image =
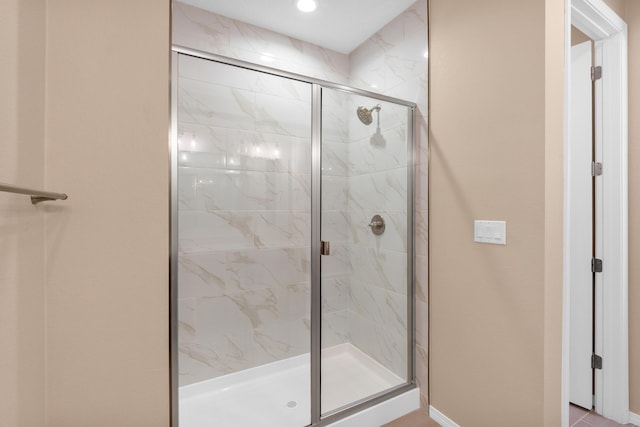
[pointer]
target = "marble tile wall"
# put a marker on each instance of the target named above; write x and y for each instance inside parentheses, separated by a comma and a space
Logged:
(244, 217)
(361, 284)
(199, 29)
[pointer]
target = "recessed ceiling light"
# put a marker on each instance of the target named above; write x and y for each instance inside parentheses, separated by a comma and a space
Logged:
(306, 5)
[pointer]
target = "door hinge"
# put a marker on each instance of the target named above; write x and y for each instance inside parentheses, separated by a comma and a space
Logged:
(596, 73)
(596, 265)
(596, 168)
(596, 361)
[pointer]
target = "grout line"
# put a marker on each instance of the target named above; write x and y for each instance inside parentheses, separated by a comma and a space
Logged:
(580, 419)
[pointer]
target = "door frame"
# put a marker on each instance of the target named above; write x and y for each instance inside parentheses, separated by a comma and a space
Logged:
(609, 32)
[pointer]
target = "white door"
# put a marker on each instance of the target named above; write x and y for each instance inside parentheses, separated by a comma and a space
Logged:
(580, 227)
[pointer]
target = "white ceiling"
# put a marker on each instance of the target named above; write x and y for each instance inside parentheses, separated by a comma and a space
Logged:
(339, 25)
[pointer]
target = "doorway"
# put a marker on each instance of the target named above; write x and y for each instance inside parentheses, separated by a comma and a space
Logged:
(610, 313)
(584, 246)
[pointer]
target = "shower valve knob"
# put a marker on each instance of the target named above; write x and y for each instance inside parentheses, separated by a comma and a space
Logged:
(377, 225)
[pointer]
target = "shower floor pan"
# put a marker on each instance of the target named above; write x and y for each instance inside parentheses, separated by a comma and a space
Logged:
(277, 394)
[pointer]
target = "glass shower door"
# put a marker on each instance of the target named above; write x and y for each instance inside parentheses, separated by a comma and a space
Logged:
(246, 218)
(243, 202)
(365, 275)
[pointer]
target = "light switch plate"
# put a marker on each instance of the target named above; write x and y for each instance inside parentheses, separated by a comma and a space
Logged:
(493, 232)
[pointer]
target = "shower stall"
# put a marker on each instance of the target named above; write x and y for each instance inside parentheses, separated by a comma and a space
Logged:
(292, 247)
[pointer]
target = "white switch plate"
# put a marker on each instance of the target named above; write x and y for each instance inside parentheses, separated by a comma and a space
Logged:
(494, 232)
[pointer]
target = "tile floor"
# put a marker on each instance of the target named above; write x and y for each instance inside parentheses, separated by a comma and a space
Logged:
(578, 417)
(419, 418)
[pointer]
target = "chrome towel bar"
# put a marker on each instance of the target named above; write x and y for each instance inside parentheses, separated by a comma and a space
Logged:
(36, 195)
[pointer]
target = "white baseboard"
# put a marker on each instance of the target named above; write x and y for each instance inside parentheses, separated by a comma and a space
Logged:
(445, 421)
(441, 418)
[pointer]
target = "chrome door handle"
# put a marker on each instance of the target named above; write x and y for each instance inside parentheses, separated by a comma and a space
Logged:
(325, 248)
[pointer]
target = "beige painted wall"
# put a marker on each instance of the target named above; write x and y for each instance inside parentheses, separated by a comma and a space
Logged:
(578, 36)
(22, 379)
(618, 6)
(554, 53)
(496, 146)
(107, 245)
(632, 16)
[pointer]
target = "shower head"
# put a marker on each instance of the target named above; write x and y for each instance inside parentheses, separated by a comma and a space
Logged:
(364, 114)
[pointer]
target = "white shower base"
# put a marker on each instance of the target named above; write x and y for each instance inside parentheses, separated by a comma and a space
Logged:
(277, 394)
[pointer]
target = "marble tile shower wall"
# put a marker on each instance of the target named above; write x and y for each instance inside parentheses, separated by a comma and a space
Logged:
(394, 62)
(206, 31)
(244, 213)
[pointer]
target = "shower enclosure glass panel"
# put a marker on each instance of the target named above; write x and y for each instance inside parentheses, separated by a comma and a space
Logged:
(244, 204)
(265, 167)
(365, 277)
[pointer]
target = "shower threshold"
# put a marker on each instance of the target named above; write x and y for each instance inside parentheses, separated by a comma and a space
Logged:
(277, 394)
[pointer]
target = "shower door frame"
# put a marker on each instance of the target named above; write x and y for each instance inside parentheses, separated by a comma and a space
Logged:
(317, 85)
